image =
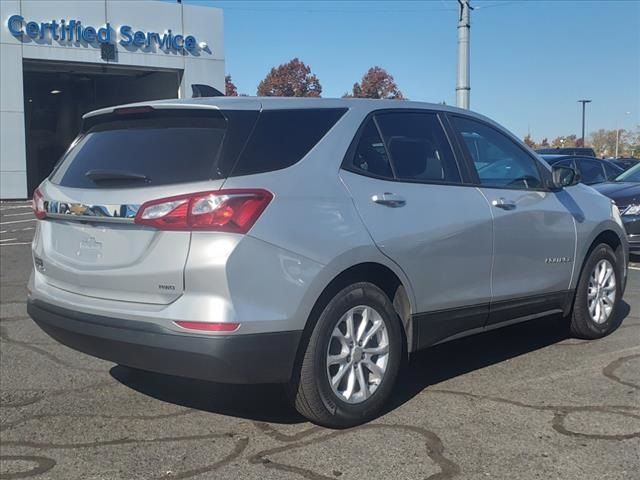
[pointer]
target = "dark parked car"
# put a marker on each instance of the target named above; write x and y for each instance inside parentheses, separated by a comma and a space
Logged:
(591, 169)
(625, 192)
(625, 162)
(579, 151)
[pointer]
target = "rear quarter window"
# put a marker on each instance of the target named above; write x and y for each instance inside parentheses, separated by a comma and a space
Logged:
(281, 138)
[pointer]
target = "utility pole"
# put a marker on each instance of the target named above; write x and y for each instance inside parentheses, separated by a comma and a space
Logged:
(463, 86)
(584, 103)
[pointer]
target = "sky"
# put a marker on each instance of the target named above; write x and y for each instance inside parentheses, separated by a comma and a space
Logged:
(531, 60)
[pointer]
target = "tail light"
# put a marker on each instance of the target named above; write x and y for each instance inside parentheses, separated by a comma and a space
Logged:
(37, 204)
(232, 211)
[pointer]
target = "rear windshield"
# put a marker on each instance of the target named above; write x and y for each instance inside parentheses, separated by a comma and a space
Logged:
(169, 147)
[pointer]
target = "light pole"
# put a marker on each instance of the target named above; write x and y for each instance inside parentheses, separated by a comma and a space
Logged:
(584, 104)
(618, 136)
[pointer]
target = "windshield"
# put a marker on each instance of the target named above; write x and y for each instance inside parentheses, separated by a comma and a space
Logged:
(631, 175)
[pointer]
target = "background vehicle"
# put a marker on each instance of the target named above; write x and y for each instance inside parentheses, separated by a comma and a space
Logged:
(311, 242)
(625, 162)
(625, 192)
(579, 151)
(592, 170)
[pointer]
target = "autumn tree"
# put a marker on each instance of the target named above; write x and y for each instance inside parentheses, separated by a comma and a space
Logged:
(293, 79)
(376, 83)
(544, 143)
(230, 89)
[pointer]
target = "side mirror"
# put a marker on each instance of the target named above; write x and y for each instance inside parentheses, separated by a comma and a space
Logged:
(565, 177)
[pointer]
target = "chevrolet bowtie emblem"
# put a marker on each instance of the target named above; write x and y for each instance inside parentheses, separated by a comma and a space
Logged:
(77, 208)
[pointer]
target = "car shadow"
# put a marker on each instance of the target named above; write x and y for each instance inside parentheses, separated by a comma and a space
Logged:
(468, 354)
(268, 403)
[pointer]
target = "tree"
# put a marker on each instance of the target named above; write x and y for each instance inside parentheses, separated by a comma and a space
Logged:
(604, 142)
(293, 79)
(230, 89)
(529, 141)
(544, 143)
(376, 83)
(564, 141)
(630, 142)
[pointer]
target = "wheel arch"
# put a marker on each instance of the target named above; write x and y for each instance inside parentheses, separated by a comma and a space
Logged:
(617, 244)
(391, 281)
(609, 236)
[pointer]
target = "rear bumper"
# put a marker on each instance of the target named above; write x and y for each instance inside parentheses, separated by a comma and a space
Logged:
(252, 358)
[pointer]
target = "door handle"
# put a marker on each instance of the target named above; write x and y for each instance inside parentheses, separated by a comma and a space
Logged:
(504, 204)
(389, 200)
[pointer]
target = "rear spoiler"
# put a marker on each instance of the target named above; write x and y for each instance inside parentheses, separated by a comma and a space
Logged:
(149, 107)
(200, 106)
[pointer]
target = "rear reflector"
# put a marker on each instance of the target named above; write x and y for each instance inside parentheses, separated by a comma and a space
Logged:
(37, 204)
(208, 326)
(232, 211)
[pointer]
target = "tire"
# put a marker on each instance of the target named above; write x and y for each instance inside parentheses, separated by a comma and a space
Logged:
(582, 321)
(311, 388)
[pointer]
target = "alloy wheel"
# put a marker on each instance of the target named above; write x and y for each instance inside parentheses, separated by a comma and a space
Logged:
(358, 354)
(601, 291)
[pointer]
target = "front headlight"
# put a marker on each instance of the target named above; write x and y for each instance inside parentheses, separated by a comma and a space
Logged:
(631, 210)
(615, 213)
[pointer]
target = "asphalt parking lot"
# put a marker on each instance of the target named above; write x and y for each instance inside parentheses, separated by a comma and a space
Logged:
(523, 402)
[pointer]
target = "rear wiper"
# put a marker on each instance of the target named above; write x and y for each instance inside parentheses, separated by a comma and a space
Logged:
(98, 175)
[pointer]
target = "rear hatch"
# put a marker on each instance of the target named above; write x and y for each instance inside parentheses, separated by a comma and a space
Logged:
(89, 243)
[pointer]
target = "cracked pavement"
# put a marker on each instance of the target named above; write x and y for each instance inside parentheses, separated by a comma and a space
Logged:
(522, 402)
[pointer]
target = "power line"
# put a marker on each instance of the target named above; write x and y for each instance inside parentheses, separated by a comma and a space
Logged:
(359, 9)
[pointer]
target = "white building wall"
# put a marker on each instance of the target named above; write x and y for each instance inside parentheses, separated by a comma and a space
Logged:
(204, 66)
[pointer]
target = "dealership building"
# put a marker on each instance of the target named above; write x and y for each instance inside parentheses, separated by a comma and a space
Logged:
(61, 59)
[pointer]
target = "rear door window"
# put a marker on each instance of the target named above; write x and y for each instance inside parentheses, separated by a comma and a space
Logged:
(418, 147)
(283, 137)
(591, 171)
(370, 157)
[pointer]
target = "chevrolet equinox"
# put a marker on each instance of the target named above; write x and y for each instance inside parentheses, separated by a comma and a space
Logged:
(311, 242)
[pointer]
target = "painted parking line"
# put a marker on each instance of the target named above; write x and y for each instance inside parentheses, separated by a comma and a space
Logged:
(14, 207)
(17, 230)
(634, 268)
(8, 239)
(17, 214)
(11, 244)
(18, 221)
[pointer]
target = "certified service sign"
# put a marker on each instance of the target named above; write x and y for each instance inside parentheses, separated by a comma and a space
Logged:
(73, 32)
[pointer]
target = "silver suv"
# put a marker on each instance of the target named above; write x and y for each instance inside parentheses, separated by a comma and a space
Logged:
(311, 242)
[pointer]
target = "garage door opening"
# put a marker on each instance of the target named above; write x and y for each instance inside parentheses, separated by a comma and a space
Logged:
(56, 95)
